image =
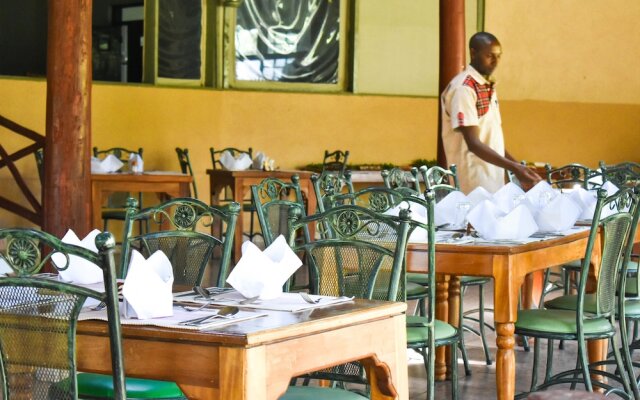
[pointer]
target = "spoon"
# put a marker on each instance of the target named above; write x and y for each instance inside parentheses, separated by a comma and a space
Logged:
(224, 312)
(309, 299)
(202, 291)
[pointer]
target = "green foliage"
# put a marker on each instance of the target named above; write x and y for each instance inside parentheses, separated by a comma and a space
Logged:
(418, 162)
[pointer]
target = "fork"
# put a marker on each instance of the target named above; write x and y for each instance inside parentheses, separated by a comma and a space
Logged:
(309, 299)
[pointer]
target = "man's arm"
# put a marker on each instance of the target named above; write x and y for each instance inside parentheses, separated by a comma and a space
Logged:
(526, 176)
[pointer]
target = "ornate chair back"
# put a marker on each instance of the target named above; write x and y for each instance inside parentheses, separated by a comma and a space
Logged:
(215, 155)
(439, 180)
(397, 178)
(335, 161)
(178, 233)
(38, 316)
(39, 156)
(364, 255)
(185, 167)
(623, 174)
(617, 230)
(330, 183)
(569, 176)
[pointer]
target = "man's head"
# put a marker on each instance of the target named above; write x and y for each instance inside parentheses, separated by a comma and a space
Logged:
(485, 52)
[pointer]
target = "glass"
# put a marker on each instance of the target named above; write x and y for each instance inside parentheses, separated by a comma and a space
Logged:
(544, 199)
(517, 200)
(462, 210)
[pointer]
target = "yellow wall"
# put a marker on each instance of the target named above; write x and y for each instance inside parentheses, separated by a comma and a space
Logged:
(567, 87)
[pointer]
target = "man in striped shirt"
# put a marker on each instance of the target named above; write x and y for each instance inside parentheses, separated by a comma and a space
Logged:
(471, 123)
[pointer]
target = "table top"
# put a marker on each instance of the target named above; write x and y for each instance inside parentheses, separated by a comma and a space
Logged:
(151, 176)
(258, 173)
(275, 326)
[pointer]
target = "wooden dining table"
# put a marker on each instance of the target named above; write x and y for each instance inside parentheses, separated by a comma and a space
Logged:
(240, 183)
(256, 359)
(166, 184)
(510, 266)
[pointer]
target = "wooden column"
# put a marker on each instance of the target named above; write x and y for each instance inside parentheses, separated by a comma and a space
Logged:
(452, 55)
(67, 183)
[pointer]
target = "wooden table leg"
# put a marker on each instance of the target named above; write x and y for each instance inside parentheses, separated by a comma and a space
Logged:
(505, 360)
(442, 313)
(455, 319)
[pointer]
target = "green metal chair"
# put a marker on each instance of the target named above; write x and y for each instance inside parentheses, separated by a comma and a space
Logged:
(362, 257)
(330, 183)
(116, 202)
(585, 316)
(178, 224)
(39, 156)
(442, 182)
(185, 167)
(397, 178)
(335, 161)
(622, 174)
(247, 205)
(38, 318)
(274, 200)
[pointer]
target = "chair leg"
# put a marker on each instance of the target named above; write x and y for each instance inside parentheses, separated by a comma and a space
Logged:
(534, 371)
(623, 376)
(463, 349)
(626, 358)
(483, 337)
(582, 359)
(454, 372)
(548, 370)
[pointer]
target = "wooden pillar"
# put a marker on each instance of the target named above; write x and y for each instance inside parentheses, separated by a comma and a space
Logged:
(452, 55)
(67, 171)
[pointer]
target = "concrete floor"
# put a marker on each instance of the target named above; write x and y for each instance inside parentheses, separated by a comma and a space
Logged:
(482, 382)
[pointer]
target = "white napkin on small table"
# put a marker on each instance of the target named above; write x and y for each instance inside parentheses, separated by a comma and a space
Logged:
(240, 163)
(478, 195)
(494, 224)
(136, 164)
(147, 287)
(263, 273)
(450, 210)
(508, 197)
(109, 164)
(79, 270)
(559, 215)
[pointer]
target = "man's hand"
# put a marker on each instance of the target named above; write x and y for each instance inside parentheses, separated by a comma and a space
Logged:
(527, 177)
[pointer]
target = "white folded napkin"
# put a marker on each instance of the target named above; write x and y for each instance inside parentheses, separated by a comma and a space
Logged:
(508, 197)
(452, 210)
(147, 287)
(263, 273)
(242, 162)
(136, 164)
(258, 160)
(587, 200)
(494, 224)
(477, 195)
(559, 215)
(610, 188)
(4, 267)
(539, 196)
(418, 214)
(110, 163)
(79, 270)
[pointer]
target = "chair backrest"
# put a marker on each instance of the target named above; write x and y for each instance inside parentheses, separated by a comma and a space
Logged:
(274, 199)
(119, 152)
(215, 155)
(616, 245)
(177, 227)
(364, 256)
(623, 174)
(185, 167)
(38, 316)
(568, 176)
(439, 180)
(397, 178)
(330, 183)
(335, 161)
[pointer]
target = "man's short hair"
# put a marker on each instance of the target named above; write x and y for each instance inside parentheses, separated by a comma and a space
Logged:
(481, 38)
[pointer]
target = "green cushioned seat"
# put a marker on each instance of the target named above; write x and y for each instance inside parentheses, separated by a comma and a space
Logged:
(417, 334)
(101, 386)
(319, 393)
(473, 280)
(417, 277)
(559, 322)
(415, 290)
(570, 301)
